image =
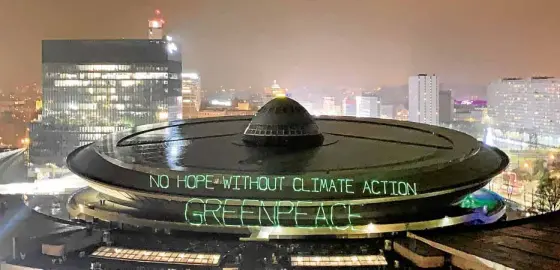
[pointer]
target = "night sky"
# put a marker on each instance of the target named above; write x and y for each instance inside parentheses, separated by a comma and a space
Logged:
(314, 43)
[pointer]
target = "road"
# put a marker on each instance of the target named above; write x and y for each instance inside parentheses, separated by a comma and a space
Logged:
(12, 167)
(525, 197)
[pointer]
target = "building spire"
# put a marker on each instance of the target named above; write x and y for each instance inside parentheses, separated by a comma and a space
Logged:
(155, 26)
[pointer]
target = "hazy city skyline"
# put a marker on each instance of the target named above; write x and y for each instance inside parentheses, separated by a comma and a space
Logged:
(327, 43)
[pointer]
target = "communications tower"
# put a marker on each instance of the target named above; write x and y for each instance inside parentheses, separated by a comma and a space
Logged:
(155, 26)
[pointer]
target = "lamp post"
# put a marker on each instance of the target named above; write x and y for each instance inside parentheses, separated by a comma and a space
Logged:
(25, 142)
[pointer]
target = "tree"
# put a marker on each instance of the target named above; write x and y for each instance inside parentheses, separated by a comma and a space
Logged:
(539, 167)
(554, 167)
(548, 194)
(522, 174)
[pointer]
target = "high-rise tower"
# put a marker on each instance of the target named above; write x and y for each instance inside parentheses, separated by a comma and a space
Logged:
(368, 104)
(95, 87)
(423, 99)
(349, 105)
(191, 95)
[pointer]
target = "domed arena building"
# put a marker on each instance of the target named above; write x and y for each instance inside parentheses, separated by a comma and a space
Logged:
(286, 174)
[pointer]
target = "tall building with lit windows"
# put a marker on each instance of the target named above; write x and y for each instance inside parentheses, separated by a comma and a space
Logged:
(329, 106)
(192, 95)
(95, 87)
(519, 108)
(423, 99)
(349, 105)
(368, 105)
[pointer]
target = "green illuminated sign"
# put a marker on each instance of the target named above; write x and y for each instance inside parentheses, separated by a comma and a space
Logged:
(282, 183)
(246, 212)
(234, 212)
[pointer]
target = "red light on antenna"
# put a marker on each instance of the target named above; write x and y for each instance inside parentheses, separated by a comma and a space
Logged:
(158, 12)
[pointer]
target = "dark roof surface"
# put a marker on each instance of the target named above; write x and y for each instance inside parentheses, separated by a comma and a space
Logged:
(282, 111)
(349, 144)
(531, 243)
(283, 122)
(105, 51)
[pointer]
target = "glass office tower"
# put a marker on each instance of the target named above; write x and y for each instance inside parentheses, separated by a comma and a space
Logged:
(95, 87)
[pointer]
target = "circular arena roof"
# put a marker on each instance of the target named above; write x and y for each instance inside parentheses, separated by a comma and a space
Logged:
(422, 158)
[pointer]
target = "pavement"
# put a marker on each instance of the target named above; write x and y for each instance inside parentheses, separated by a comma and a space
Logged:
(14, 180)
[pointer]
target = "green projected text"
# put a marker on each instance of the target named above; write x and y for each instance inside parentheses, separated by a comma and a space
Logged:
(234, 212)
(283, 183)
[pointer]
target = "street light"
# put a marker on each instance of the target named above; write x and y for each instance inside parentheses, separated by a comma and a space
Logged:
(25, 141)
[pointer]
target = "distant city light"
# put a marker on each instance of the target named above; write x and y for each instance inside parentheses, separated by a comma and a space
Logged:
(193, 76)
(163, 116)
(216, 102)
(489, 139)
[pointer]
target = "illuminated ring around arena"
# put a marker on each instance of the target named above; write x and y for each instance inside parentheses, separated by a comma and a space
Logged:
(283, 168)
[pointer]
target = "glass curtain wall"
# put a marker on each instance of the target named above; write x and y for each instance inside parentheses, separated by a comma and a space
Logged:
(99, 99)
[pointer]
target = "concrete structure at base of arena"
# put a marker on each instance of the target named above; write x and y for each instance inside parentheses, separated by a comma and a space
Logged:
(283, 173)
